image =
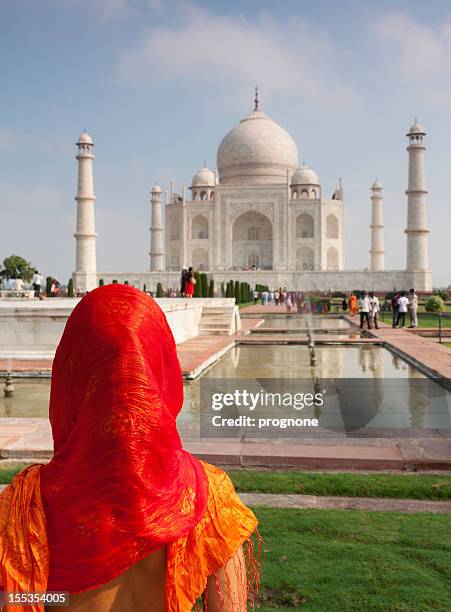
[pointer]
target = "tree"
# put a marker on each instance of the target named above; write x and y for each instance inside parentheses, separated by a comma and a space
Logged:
(70, 288)
(160, 291)
(204, 284)
(197, 286)
(223, 291)
(237, 292)
(48, 286)
(434, 304)
(15, 266)
(211, 289)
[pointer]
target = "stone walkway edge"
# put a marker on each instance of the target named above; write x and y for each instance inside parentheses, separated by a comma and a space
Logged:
(369, 504)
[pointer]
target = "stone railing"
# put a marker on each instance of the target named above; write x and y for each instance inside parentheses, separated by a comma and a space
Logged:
(11, 294)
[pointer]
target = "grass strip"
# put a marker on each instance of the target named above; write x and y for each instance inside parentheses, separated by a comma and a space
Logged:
(399, 486)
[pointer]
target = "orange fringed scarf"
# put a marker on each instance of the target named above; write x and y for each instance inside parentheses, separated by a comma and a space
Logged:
(120, 485)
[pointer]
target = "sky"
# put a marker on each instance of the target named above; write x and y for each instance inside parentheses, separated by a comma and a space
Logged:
(158, 83)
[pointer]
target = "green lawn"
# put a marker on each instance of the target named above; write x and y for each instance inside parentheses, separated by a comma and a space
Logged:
(342, 561)
(425, 319)
(8, 470)
(402, 486)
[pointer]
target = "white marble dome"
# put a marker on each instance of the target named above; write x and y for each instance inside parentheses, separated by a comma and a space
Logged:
(416, 128)
(376, 185)
(305, 176)
(203, 178)
(256, 151)
(85, 138)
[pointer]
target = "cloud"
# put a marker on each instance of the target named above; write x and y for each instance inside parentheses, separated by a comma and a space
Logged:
(418, 55)
(230, 53)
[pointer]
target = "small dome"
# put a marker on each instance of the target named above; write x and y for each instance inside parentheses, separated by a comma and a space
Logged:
(85, 138)
(156, 189)
(203, 178)
(305, 176)
(376, 185)
(416, 128)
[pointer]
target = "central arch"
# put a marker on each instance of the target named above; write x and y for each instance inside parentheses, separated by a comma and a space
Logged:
(252, 241)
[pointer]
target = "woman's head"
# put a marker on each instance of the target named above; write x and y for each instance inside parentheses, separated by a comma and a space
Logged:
(117, 357)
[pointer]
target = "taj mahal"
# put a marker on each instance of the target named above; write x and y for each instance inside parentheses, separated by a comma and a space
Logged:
(260, 218)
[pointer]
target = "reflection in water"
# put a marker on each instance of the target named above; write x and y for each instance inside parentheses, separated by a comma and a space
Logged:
(399, 395)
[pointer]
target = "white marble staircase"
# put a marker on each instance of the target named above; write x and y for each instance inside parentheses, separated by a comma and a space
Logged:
(219, 320)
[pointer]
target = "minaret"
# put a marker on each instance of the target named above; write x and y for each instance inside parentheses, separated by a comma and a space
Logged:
(417, 225)
(156, 232)
(377, 251)
(85, 275)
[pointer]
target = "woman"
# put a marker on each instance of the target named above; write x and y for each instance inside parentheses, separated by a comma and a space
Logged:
(122, 517)
(189, 283)
(288, 303)
(352, 304)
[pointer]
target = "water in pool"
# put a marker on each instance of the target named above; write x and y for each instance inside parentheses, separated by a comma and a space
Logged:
(272, 361)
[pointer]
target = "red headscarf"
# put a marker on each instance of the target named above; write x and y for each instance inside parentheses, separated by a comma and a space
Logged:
(119, 485)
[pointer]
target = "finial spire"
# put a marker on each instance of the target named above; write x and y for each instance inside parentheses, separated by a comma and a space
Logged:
(256, 100)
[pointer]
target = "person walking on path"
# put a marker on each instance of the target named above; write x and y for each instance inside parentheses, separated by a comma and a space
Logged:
(364, 310)
(413, 308)
(37, 282)
(403, 305)
(288, 302)
(395, 310)
(374, 310)
(256, 294)
(352, 304)
(276, 296)
(265, 296)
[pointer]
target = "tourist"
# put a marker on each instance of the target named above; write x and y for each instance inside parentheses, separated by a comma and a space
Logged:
(37, 282)
(183, 279)
(271, 297)
(288, 302)
(395, 310)
(276, 297)
(190, 281)
(122, 517)
(352, 304)
(374, 310)
(55, 287)
(256, 295)
(364, 310)
(403, 305)
(344, 305)
(265, 296)
(413, 308)
(18, 285)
